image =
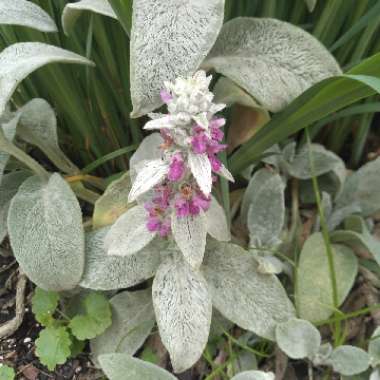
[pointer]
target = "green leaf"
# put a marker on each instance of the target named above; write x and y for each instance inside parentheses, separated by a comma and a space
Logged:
(349, 360)
(298, 338)
(374, 348)
(6, 373)
(132, 321)
(53, 346)
(125, 367)
(46, 233)
(319, 101)
(77, 347)
(311, 4)
(26, 13)
(257, 53)
(314, 288)
(44, 304)
(123, 10)
(96, 319)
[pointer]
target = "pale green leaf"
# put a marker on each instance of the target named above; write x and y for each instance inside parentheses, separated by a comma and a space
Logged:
(311, 4)
(374, 348)
(9, 131)
(217, 225)
(349, 360)
(6, 373)
(44, 304)
(254, 375)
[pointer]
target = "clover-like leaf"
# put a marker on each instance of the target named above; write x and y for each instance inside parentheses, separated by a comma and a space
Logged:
(314, 287)
(125, 367)
(298, 338)
(183, 310)
(217, 225)
(46, 233)
(96, 319)
(53, 346)
(26, 13)
(19, 60)
(254, 301)
(168, 40)
(72, 11)
(129, 234)
(349, 360)
(132, 321)
(254, 375)
(7, 373)
(257, 53)
(44, 304)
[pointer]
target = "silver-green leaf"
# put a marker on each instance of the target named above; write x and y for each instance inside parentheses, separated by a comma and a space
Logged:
(374, 348)
(217, 225)
(349, 360)
(254, 375)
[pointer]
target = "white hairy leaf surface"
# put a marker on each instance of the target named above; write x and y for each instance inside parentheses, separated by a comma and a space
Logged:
(150, 174)
(190, 234)
(314, 287)
(104, 272)
(298, 338)
(8, 189)
(183, 311)
(225, 173)
(26, 13)
(217, 225)
(19, 60)
(169, 39)
(272, 60)
(254, 301)
(254, 375)
(129, 234)
(374, 348)
(349, 360)
(132, 321)
(125, 367)
(46, 233)
(72, 11)
(9, 130)
(200, 166)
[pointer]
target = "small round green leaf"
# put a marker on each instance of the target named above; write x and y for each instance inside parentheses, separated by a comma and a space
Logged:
(44, 304)
(349, 360)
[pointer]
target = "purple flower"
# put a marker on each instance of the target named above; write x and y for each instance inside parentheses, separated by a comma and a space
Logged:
(165, 228)
(215, 163)
(182, 207)
(199, 143)
(176, 168)
(153, 224)
(166, 97)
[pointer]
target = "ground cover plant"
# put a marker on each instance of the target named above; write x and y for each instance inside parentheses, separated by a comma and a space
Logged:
(189, 189)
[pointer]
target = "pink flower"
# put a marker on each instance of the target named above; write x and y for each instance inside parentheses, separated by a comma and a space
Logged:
(165, 228)
(153, 224)
(176, 168)
(199, 143)
(182, 207)
(215, 163)
(201, 201)
(216, 133)
(166, 97)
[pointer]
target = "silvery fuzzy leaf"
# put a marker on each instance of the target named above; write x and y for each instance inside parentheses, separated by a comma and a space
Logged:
(113, 203)
(349, 360)
(26, 13)
(323, 355)
(225, 173)
(190, 234)
(374, 348)
(8, 189)
(132, 321)
(129, 234)
(183, 311)
(169, 39)
(272, 156)
(314, 288)
(19, 60)
(375, 375)
(217, 225)
(125, 367)
(324, 161)
(266, 213)
(254, 375)
(72, 11)
(254, 301)
(158, 123)
(257, 53)
(339, 215)
(38, 126)
(202, 120)
(311, 4)
(104, 272)
(150, 174)
(46, 233)
(269, 265)
(219, 324)
(298, 338)
(201, 168)
(327, 207)
(9, 130)
(361, 188)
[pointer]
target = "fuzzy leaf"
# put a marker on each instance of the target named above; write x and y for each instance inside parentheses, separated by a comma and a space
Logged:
(129, 234)
(169, 39)
(349, 360)
(254, 375)
(201, 168)
(362, 188)
(298, 338)
(113, 203)
(46, 233)
(257, 54)
(53, 346)
(19, 60)
(9, 132)
(183, 310)
(374, 348)
(150, 174)
(190, 234)
(375, 375)
(217, 225)
(26, 13)
(132, 322)
(104, 272)
(96, 320)
(314, 286)
(44, 304)
(125, 367)
(254, 301)
(72, 11)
